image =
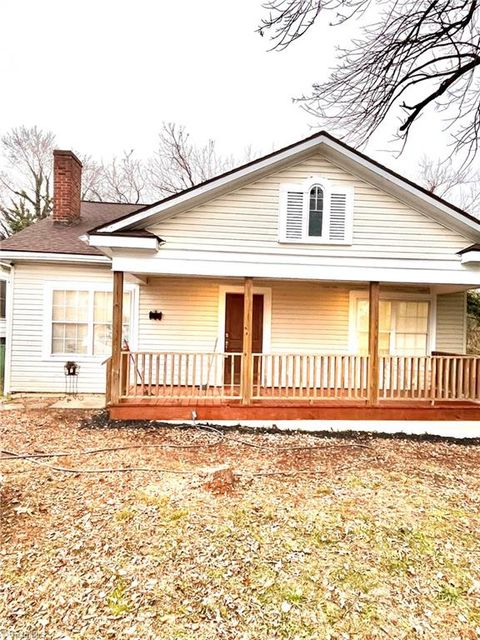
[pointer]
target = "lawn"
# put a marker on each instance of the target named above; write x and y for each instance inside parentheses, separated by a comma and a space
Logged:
(318, 537)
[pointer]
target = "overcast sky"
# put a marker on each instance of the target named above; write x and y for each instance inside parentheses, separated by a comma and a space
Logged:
(103, 75)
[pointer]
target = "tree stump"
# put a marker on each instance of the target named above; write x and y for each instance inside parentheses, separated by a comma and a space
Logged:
(219, 480)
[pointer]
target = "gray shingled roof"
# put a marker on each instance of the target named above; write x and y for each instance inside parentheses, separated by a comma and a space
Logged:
(46, 237)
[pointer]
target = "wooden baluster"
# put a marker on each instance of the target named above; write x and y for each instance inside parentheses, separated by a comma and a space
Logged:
(142, 375)
(335, 373)
(446, 386)
(363, 377)
(441, 378)
(150, 373)
(476, 378)
(135, 374)
(157, 374)
(329, 376)
(459, 388)
(172, 359)
(165, 374)
(405, 376)
(471, 379)
(128, 374)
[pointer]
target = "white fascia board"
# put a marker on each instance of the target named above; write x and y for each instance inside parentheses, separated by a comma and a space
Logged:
(123, 242)
(471, 257)
(470, 278)
(232, 181)
(14, 256)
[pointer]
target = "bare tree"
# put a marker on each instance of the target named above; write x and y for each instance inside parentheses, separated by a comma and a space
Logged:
(123, 179)
(25, 180)
(457, 184)
(92, 178)
(178, 163)
(412, 55)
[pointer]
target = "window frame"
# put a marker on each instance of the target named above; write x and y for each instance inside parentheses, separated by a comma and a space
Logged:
(392, 296)
(3, 299)
(91, 288)
(305, 188)
(308, 185)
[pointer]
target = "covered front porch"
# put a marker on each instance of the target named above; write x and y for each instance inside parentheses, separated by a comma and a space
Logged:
(242, 378)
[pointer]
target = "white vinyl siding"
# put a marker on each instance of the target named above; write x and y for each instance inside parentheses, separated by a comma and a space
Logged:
(31, 370)
(246, 221)
(451, 323)
(304, 317)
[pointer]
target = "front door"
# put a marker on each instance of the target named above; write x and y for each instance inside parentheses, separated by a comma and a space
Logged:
(234, 331)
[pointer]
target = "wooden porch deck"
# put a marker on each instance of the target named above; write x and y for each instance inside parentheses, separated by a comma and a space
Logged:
(181, 403)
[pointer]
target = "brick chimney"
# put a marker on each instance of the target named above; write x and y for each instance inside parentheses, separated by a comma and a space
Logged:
(67, 181)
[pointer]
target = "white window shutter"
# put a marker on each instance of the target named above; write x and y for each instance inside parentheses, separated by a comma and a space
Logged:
(291, 212)
(341, 213)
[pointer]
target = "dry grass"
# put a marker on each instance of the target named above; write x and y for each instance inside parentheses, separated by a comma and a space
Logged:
(374, 542)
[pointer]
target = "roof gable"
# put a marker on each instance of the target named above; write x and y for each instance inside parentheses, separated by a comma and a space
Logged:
(335, 150)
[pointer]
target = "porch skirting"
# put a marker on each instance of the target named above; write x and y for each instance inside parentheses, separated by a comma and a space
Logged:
(278, 411)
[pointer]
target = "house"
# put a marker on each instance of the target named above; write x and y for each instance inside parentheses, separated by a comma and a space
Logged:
(310, 283)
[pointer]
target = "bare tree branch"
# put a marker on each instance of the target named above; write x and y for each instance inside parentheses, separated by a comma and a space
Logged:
(459, 185)
(179, 164)
(414, 56)
(25, 180)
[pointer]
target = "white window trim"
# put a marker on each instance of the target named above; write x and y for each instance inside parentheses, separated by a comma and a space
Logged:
(91, 287)
(267, 314)
(400, 297)
(305, 187)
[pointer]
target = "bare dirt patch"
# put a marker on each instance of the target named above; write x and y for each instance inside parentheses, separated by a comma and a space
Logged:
(317, 537)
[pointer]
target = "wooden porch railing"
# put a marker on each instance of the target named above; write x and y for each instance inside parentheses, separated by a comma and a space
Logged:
(309, 376)
(179, 375)
(293, 376)
(435, 378)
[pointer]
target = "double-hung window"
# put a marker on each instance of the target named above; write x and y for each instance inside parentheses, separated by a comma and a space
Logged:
(80, 321)
(403, 327)
(69, 322)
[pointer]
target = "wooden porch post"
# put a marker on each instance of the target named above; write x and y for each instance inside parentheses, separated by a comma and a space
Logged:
(247, 367)
(373, 324)
(117, 315)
